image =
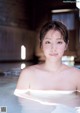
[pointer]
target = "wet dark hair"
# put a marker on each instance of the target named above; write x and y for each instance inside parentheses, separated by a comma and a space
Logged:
(54, 25)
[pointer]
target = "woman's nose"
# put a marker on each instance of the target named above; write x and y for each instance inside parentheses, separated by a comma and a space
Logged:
(53, 47)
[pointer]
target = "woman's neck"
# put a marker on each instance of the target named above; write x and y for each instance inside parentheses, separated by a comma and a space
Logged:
(53, 66)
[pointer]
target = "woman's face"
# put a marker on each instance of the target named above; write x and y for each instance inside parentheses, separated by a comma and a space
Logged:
(53, 45)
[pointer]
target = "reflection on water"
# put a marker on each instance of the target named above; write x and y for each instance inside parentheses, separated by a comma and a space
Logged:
(29, 106)
(19, 105)
(58, 104)
(7, 86)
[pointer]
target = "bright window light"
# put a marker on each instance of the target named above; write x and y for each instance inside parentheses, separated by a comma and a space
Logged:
(72, 58)
(23, 52)
(78, 4)
(68, 60)
(23, 65)
(61, 10)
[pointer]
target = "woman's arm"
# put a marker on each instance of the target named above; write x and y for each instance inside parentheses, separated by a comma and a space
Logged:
(24, 79)
(78, 81)
(23, 84)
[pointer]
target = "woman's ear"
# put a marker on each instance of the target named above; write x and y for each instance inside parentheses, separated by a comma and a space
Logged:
(41, 48)
(41, 45)
(66, 46)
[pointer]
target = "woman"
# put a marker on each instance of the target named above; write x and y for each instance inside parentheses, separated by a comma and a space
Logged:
(52, 76)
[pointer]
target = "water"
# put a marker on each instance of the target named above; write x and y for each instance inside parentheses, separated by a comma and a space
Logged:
(19, 105)
(15, 104)
(7, 99)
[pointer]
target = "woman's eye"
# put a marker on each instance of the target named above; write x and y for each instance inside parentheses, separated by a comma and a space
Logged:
(60, 42)
(47, 42)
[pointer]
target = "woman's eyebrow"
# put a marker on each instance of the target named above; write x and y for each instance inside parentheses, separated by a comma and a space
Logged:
(47, 38)
(59, 38)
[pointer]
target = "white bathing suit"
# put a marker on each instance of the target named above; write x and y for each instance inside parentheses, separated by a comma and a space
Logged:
(38, 92)
(60, 108)
(41, 94)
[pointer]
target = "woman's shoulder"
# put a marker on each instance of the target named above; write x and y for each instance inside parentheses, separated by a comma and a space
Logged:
(75, 71)
(31, 68)
(71, 70)
(26, 76)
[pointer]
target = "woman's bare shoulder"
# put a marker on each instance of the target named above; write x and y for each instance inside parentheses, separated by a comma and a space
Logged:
(75, 71)
(26, 76)
(76, 76)
(30, 69)
(72, 70)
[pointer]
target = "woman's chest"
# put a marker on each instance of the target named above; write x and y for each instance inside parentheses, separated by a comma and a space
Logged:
(53, 82)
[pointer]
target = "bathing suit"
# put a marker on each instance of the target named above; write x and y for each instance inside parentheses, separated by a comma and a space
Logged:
(60, 108)
(41, 94)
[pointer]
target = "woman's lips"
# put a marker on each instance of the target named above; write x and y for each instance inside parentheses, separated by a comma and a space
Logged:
(53, 54)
